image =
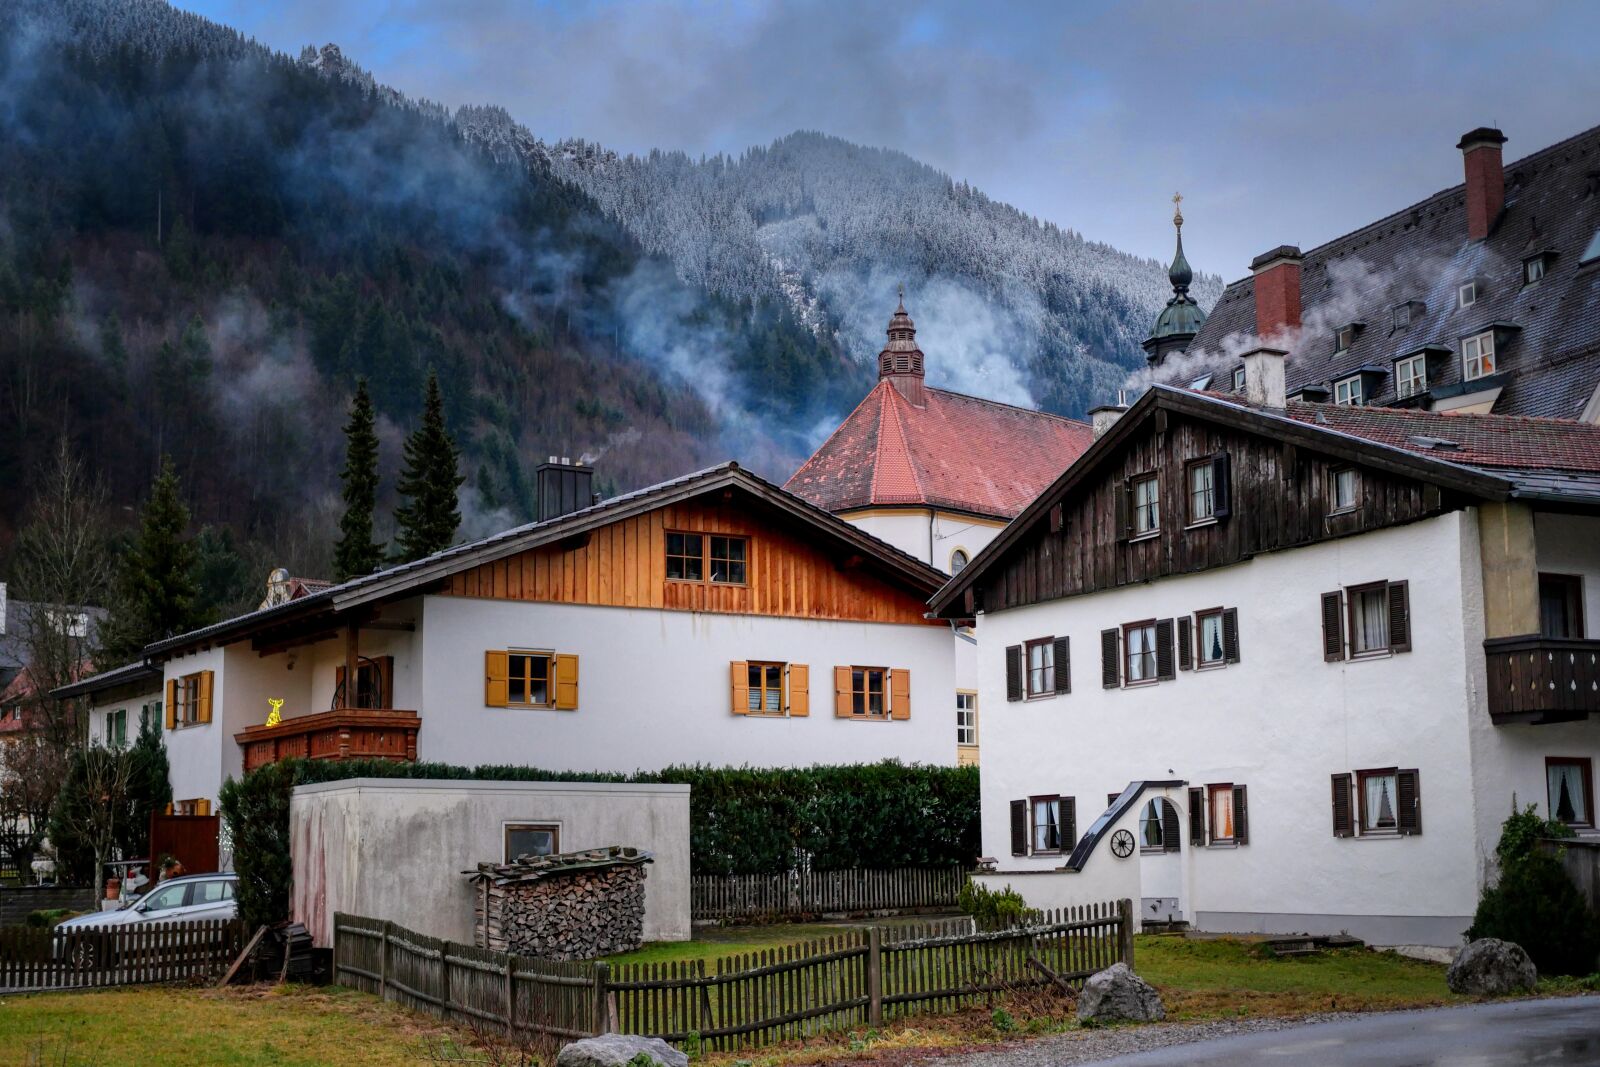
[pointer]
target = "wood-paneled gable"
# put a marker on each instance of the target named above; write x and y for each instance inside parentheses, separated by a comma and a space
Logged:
(623, 564)
(1279, 499)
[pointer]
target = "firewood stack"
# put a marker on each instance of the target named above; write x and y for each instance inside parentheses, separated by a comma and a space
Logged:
(571, 906)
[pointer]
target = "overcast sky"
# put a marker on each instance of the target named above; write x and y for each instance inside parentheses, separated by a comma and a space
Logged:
(1281, 123)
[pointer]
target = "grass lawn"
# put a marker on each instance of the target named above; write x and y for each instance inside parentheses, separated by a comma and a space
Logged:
(711, 942)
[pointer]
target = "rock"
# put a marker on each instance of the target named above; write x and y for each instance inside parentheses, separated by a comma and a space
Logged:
(1490, 967)
(617, 1050)
(1117, 995)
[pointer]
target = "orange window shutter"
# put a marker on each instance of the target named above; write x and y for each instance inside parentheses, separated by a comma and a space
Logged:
(899, 694)
(385, 667)
(172, 703)
(202, 807)
(739, 684)
(841, 692)
(566, 668)
(203, 713)
(799, 690)
(496, 669)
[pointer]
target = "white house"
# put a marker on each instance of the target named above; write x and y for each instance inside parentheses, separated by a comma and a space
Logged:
(1306, 656)
(713, 619)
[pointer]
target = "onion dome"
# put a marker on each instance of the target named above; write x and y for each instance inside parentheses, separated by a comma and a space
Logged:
(1182, 318)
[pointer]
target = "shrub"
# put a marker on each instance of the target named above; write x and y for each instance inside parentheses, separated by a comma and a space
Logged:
(1535, 903)
(992, 909)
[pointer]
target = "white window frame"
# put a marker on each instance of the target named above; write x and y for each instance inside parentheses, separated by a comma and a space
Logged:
(1340, 505)
(1202, 499)
(1238, 379)
(967, 718)
(1347, 391)
(1411, 376)
(1533, 270)
(1343, 338)
(1467, 294)
(1481, 362)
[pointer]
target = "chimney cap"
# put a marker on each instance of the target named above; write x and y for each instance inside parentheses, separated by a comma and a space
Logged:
(1267, 259)
(1481, 136)
(1119, 408)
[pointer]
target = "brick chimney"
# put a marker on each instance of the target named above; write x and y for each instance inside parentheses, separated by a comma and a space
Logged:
(1486, 179)
(1277, 279)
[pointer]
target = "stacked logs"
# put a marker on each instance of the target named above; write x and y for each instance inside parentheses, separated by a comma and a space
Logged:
(571, 906)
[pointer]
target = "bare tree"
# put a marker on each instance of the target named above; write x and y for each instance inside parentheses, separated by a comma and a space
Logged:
(93, 803)
(31, 772)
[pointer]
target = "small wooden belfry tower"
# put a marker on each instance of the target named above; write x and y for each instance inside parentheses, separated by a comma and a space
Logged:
(901, 360)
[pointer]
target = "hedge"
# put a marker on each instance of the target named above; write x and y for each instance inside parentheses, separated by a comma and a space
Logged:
(743, 820)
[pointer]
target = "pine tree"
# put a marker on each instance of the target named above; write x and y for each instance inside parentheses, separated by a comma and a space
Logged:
(357, 553)
(157, 595)
(428, 519)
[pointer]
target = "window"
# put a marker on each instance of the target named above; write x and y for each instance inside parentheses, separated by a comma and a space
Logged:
(1238, 379)
(372, 683)
(1158, 826)
(210, 892)
(1146, 505)
(684, 560)
(1202, 382)
(1047, 824)
(1378, 801)
(1410, 376)
(117, 728)
(1139, 652)
(766, 688)
(958, 561)
(728, 559)
(1369, 620)
(1041, 667)
(1221, 814)
(695, 557)
(1561, 605)
(966, 719)
(528, 679)
(1348, 391)
(1376, 617)
(1532, 269)
(1345, 489)
(531, 839)
(1202, 501)
(1210, 646)
(150, 716)
(186, 706)
(868, 697)
(1570, 785)
(196, 806)
(1592, 252)
(1477, 356)
(1467, 295)
(1400, 317)
(1343, 338)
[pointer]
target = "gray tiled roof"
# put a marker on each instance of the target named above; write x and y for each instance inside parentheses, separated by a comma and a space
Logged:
(1422, 253)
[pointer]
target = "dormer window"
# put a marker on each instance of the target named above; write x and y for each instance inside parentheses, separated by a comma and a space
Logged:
(1400, 317)
(1238, 379)
(1345, 336)
(1467, 295)
(1348, 391)
(1411, 375)
(1533, 269)
(1592, 252)
(1477, 355)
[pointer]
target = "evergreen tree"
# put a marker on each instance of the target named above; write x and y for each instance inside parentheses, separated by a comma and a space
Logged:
(149, 787)
(357, 553)
(157, 595)
(426, 522)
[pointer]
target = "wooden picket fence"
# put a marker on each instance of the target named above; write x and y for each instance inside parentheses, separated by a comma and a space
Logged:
(861, 978)
(117, 955)
(796, 893)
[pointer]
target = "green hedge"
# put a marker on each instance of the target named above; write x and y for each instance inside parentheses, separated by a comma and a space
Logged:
(742, 820)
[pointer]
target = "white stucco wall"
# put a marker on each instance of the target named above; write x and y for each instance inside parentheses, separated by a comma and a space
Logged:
(1280, 722)
(199, 755)
(1570, 544)
(931, 536)
(101, 705)
(396, 850)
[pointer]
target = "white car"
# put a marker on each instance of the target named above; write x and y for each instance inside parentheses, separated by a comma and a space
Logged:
(182, 899)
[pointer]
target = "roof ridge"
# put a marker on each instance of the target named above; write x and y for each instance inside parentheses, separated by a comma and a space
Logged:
(1012, 407)
(892, 417)
(837, 430)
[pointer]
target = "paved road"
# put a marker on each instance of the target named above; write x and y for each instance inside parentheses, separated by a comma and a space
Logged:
(1564, 1032)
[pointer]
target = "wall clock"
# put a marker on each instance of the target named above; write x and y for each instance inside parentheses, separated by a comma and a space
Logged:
(1122, 844)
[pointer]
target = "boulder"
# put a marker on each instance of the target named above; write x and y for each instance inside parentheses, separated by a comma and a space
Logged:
(1117, 995)
(617, 1050)
(1490, 967)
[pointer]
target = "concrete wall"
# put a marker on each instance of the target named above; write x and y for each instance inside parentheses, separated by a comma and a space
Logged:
(395, 850)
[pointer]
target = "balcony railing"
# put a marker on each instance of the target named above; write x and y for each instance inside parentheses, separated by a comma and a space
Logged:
(344, 733)
(1535, 679)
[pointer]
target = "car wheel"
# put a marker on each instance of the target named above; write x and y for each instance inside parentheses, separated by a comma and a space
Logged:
(85, 954)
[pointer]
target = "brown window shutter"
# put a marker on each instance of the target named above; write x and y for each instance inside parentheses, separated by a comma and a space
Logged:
(1164, 665)
(1221, 485)
(1124, 494)
(385, 666)
(172, 703)
(496, 670)
(1019, 827)
(1230, 635)
(1063, 658)
(899, 694)
(1408, 799)
(1241, 816)
(1399, 617)
(202, 807)
(1013, 672)
(565, 666)
(799, 690)
(1185, 644)
(1332, 628)
(1110, 667)
(1069, 824)
(342, 696)
(207, 680)
(841, 692)
(1056, 518)
(739, 686)
(1170, 834)
(1343, 824)
(1197, 816)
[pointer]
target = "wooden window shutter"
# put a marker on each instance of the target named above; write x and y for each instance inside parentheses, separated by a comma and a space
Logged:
(1332, 627)
(1241, 816)
(799, 690)
(1221, 485)
(565, 668)
(1185, 644)
(841, 692)
(899, 694)
(496, 671)
(1110, 668)
(385, 668)
(203, 705)
(1343, 822)
(1013, 672)
(1164, 665)
(739, 685)
(172, 703)
(1063, 662)
(1399, 617)
(1069, 824)
(1408, 801)
(1055, 518)
(1169, 826)
(1124, 494)
(202, 807)
(1197, 816)
(1019, 827)
(1230, 635)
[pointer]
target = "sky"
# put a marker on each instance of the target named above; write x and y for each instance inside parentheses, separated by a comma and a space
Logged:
(1280, 123)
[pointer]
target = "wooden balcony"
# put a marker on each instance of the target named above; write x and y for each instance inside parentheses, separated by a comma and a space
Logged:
(1540, 680)
(344, 733)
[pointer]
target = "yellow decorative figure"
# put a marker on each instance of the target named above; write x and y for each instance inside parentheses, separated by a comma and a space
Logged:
(273, 717)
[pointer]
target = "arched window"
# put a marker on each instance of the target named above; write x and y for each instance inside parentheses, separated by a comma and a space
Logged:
(958, 561)
(1158, 826)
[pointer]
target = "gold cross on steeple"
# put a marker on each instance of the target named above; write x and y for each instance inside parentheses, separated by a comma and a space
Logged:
(1177, 210)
